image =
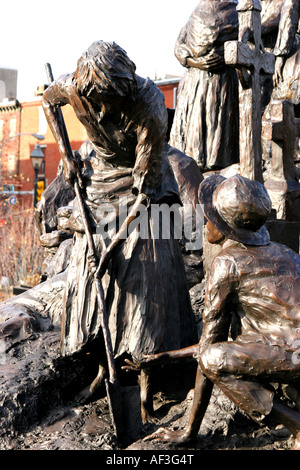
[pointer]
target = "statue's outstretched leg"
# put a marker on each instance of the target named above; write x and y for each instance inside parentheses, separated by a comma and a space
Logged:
(147, 410)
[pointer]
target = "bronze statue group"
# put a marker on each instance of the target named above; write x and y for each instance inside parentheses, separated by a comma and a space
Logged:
(252, 280)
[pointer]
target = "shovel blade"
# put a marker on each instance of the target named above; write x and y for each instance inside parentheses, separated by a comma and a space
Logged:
(113, 392)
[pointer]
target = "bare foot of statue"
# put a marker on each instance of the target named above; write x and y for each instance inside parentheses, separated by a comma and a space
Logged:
(168, 436)
(147, 411)
(88, 393)
(148, 416)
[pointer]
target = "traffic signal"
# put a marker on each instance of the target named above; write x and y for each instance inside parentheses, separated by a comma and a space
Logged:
(40, 186)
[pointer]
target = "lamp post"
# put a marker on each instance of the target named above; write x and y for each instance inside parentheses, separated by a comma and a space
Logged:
(37, 136)
(37, 157)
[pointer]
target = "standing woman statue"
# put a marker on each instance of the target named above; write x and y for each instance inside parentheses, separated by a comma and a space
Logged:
(281, 33)
(147, 299)
(206, 119)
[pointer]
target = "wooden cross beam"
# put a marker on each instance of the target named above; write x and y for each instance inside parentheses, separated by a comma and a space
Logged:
(250, 60)
(282, 130)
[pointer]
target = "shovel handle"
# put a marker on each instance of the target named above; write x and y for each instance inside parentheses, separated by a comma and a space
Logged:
(99, 288)
(91, 247)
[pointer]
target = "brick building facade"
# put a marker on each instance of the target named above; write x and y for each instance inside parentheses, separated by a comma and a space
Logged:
(18, 121)
(169, 87)
(10, 125)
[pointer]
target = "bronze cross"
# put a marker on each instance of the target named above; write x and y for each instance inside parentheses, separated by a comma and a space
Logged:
(282, 129)
(251, 60)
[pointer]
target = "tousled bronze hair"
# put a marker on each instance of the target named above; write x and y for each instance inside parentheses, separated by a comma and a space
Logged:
(106, 68)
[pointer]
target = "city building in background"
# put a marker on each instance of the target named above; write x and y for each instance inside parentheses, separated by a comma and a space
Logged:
(169, 87)
(23, 125)
(8, 83)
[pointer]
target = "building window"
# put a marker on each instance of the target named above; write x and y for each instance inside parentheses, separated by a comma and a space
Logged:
(11, 164)
(12, 127)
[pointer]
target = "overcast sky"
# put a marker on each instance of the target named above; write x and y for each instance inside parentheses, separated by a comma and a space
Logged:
(33, 32)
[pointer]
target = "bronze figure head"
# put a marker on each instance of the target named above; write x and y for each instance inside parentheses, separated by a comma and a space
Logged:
(238, 207)
(105, 69)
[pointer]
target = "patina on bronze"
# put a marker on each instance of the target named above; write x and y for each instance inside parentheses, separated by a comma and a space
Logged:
(250, 62)
(126, 158)
(206, 121)
(254, 284)
(282, 130)
(280, 29)
(112, 383)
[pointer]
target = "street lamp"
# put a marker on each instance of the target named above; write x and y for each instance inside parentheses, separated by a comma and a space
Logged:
(37, 157)
(37, 136)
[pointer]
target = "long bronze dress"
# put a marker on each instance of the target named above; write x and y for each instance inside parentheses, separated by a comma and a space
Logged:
(206, 119)
(147, 298)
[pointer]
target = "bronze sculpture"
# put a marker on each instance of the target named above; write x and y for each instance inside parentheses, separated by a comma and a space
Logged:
(205, 124)
(251, 61)
(126, 121)
(280, 29)
(250, 339)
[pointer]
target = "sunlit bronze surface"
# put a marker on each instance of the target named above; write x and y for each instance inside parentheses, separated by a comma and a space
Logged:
(126, 120)
(205, 124)
(280, 29)
(250, 339)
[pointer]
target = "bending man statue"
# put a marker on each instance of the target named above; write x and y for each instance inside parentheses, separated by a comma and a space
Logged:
(257, 283)
(124, 161)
